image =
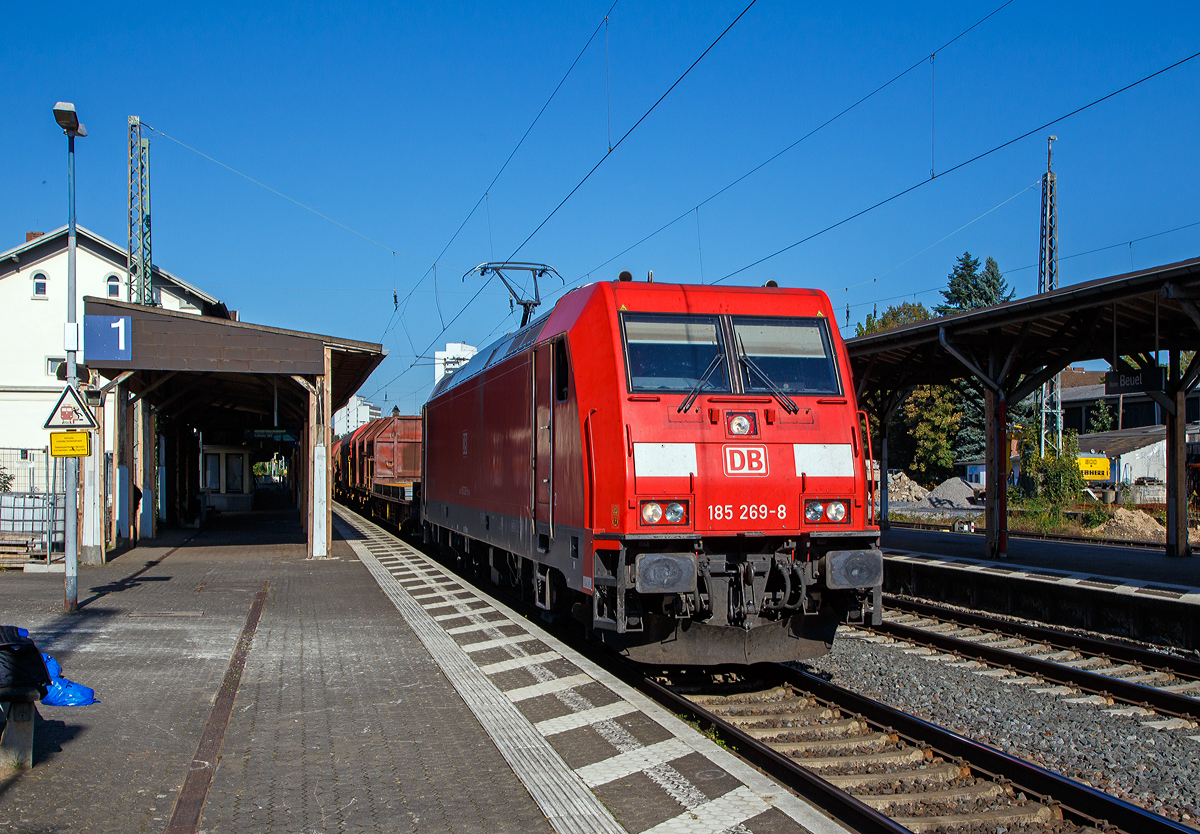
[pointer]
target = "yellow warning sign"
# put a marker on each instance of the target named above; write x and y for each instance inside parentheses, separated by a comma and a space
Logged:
(70, 444)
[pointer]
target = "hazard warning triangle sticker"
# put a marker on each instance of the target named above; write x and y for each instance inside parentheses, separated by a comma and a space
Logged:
(70, 412)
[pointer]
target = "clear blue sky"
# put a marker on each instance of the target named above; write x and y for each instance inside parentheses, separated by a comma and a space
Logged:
(392, 119)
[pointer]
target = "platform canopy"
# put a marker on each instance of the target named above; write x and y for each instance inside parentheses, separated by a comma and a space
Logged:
(211, 370)
(1011, 349)
(183, 381)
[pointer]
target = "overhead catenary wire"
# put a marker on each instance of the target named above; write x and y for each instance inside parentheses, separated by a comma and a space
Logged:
(1128, 243)
(803, 138)
(595, 167)
(958, 167)
(627, 133)
(429, 347)
(290, 199)
(945, 237)
(930, 290)
(483, 197)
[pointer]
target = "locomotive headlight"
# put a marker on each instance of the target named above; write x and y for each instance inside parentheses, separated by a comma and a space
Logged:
(739, 424)
(675, 512)
(814, 510)
(836, 511)
(652, 512)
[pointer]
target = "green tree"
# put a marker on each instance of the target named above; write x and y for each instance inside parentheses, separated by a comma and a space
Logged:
(1101, 418)
(6, 479)
(971, 441)
(969, 289)
(995, 288)
(931, 417)
(894, 316)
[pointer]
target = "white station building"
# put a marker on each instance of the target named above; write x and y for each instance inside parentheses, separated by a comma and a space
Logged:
(33, 298)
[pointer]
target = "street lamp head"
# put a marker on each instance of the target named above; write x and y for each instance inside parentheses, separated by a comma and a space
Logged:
(68, 120)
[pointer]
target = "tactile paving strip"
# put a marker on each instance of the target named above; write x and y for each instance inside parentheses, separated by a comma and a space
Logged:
(426, 596)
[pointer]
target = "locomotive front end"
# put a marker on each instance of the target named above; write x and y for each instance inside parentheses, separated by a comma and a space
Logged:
(747, 533)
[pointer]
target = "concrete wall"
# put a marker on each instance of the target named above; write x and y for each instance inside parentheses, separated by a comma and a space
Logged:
(1147, 462)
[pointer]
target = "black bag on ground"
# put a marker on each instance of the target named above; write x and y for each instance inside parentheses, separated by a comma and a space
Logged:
(21, 664)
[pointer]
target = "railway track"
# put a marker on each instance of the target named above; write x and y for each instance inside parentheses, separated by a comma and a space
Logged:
(880, 769)
(1147, 681)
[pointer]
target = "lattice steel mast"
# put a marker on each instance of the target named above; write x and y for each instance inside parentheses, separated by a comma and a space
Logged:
(141, 287)
(1052, 415)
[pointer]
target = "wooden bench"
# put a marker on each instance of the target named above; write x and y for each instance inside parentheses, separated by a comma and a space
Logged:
(16, 741)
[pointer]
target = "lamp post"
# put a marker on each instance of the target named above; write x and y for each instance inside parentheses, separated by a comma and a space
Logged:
(68, 120)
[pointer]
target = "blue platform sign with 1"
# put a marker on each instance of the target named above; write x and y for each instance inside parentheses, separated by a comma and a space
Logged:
(107, 338)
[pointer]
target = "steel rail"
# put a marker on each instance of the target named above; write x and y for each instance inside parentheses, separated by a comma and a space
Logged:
(1074, 797)
(846, 808)
(1132, 693)
(1055, 637)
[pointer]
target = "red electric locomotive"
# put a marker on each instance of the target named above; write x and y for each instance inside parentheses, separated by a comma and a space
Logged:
(681, 467)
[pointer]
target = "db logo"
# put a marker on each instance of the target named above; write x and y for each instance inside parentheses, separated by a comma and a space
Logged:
(745, 460)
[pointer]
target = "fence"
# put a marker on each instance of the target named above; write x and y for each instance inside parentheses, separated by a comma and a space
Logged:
(35, 495)
(33, 470)
(31, 513)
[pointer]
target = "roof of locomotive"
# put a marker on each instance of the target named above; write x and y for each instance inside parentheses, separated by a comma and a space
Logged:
(578, 298)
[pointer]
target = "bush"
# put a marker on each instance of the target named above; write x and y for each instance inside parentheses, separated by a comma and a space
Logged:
(6, 479)
(1094, 516)
(1056, 477)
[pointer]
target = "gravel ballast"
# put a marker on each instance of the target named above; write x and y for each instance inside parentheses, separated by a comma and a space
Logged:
(1153, 768)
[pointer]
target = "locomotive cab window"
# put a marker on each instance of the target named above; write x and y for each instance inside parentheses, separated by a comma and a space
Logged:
(791, 354)
(561, 370)
(674, 352)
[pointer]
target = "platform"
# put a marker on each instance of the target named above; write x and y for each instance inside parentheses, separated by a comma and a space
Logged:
(371, 691)
(1129, 592)
(1140, 565)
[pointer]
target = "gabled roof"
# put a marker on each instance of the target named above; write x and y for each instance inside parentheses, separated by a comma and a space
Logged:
(53, 242)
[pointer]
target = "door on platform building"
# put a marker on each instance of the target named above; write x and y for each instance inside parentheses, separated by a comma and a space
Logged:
(543, 434)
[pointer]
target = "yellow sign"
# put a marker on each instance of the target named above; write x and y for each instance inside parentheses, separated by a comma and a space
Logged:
(1094, 467)
(70, 444)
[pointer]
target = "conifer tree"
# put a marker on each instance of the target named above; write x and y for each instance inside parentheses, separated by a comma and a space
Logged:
(969, 289)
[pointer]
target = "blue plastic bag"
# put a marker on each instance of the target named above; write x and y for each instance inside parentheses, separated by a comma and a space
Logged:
(65, 693)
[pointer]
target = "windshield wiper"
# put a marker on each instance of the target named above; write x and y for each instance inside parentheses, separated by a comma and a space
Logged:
(787, 402)
(695, 392)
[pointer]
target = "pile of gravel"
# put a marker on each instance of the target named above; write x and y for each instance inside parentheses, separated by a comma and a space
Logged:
(951, 494)
(904, 489)
(1117, 754)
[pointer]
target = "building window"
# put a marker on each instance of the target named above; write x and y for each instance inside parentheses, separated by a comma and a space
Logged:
(233, 473)
(40, 285)
(53, 363)
(114, 286)
(212, 472)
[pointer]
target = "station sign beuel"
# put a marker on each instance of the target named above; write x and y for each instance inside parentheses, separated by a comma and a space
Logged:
(70, 413)
(1136, 382)
(70, 444)
(108, 338)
